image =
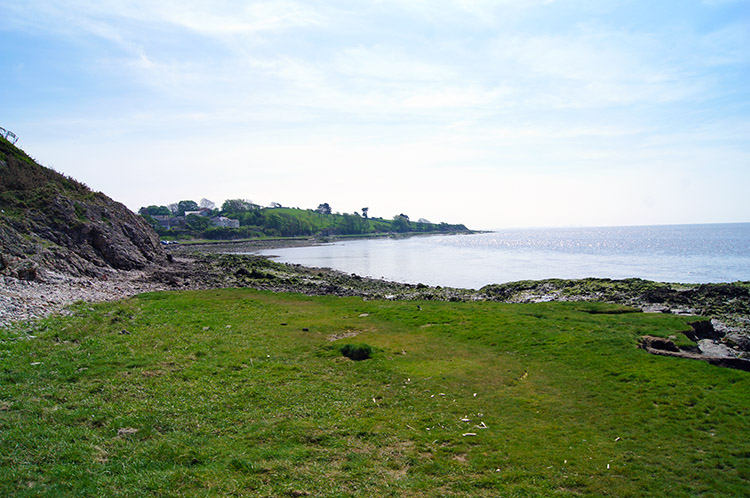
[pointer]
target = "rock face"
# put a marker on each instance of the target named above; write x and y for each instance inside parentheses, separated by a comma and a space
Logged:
(51, 222)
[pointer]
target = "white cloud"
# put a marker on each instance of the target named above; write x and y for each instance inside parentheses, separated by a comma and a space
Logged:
(596, 69)
(472, 100)
(382, 63)
(233, 17)
(218, 17)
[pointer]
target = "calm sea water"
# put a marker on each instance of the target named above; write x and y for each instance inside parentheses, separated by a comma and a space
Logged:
(675, 253)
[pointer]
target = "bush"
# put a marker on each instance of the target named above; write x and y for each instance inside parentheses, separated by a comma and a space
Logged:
(356, 352)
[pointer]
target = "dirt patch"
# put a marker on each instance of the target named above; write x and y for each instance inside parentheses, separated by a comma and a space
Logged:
(343, 335)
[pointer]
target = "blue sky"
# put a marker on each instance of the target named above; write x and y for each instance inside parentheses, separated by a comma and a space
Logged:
(493, 113)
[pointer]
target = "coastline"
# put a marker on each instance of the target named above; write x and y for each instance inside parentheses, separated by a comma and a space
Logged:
(725, 308)
(254, 245)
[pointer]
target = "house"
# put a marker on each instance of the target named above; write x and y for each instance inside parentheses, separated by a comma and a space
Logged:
(200, 212)
(221, 221)
(169, 222)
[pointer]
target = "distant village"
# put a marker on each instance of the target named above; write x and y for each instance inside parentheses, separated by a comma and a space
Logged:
(169, 222)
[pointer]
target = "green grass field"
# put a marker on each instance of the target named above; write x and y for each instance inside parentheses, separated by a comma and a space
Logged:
(245, 393)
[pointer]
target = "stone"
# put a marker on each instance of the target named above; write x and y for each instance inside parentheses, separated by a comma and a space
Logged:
(655, 308)
(716, 350)
(738, 341)
(27, 271)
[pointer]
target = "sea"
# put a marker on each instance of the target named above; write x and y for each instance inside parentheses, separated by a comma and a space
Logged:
(706, 253)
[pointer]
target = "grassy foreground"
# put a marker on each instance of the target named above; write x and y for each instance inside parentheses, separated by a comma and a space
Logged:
(245, 393)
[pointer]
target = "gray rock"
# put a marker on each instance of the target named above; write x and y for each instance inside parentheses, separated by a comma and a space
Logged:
(738, 341)
(655, 308)
(716, 350)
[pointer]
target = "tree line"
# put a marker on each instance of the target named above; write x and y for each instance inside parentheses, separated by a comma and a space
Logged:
(277, 221)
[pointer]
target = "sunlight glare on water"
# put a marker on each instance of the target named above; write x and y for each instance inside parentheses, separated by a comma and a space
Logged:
(678, 253)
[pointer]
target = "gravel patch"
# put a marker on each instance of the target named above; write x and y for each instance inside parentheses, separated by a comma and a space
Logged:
(22, 300)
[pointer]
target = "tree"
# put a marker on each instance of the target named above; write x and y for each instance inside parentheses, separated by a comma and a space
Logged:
(154, 210)
(352, 223)
(400, 223)
(205, 203)
(151, 221)
(237, 206)
(364, 212)
(183, 206)
(198, 223)
(324, 208)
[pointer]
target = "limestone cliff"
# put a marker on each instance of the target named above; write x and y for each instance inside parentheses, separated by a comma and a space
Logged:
(52, 222)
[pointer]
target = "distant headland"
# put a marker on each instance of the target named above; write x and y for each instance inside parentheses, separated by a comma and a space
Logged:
(243, 219)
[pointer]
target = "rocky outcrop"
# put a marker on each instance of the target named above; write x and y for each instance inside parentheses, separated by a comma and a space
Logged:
(711, 346)
(49, 222)
(665, 347)
(724, 340)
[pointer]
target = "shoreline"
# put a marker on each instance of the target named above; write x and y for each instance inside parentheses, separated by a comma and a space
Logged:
(253, 245)
(725, 307)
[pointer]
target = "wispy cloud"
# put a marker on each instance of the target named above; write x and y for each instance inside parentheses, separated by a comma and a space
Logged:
(422, 89)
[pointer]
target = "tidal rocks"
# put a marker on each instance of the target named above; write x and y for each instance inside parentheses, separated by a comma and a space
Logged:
(708, 351)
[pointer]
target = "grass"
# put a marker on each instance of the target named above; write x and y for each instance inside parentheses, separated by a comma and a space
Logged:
(224, 393)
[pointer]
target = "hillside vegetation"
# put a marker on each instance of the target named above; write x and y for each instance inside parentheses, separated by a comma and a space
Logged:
(246, 393)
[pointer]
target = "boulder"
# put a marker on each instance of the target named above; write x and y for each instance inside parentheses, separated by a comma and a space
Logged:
(715, 349)
(737, 341)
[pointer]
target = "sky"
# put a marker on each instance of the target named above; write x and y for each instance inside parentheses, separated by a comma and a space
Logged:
(491, 113)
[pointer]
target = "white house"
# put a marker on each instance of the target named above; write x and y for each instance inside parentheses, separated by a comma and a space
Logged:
(221, 221)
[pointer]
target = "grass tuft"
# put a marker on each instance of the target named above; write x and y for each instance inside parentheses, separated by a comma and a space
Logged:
(357, 352)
